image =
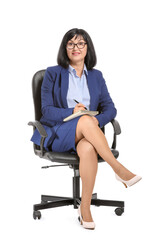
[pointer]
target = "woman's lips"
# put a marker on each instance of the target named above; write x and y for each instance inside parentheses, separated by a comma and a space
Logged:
(75, 53)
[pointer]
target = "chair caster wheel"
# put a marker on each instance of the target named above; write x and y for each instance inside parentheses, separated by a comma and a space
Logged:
(36, 214)
(119, 211)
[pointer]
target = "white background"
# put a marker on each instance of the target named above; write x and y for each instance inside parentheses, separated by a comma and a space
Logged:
(124, 35)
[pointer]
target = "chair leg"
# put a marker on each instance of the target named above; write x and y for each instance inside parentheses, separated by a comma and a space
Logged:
(47, 198)
(111, 203)
(100, 202)
(55, 202)
(94, 196)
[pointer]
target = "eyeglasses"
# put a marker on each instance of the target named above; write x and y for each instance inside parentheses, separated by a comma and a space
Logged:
(80, 45)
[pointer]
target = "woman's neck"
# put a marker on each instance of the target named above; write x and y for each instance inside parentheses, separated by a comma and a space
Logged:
(78, 67)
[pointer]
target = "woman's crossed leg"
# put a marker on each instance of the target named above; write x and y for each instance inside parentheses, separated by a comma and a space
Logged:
(90, 141)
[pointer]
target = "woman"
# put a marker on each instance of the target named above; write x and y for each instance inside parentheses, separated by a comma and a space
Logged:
(74, 78)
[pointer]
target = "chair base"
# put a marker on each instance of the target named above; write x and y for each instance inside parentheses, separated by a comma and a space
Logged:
(57, 201)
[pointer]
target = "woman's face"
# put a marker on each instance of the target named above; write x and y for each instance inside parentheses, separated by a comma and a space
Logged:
(76, 54)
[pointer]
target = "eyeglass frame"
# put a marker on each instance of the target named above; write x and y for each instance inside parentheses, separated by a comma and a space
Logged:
(75, 44)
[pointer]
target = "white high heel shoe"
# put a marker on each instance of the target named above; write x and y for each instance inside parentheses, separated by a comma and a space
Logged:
(87, 225)
(130, 182)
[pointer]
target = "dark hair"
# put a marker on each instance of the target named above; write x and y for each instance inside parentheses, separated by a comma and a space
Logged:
(90, 58)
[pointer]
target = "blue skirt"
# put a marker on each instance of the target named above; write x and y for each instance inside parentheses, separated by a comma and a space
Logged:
(65, 137)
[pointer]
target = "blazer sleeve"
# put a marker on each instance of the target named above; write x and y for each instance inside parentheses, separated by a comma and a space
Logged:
(49, 111)
(106, 105)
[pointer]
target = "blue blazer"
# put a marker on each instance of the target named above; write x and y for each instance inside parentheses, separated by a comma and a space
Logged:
(54, 104)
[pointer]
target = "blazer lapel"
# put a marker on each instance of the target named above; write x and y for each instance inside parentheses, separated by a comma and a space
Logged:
(91, 90)
(64, 86)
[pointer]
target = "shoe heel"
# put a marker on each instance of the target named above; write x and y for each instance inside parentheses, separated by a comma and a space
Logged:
(125, 184)
(80, 220)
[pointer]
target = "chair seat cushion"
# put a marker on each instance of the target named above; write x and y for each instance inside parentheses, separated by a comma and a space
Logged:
(70, 158)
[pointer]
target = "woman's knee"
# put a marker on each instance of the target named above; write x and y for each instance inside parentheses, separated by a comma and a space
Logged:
(85, 121)
(84, 147)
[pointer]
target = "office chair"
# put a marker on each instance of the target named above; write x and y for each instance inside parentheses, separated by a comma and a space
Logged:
(65, 158)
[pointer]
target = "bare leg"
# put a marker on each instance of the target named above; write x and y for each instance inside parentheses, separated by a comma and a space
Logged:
(86, 128)
(88, 169)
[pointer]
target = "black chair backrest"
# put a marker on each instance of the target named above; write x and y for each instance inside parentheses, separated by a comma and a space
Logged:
(36, 88)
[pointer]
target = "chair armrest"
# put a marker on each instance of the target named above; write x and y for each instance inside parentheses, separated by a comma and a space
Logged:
(40, 128)
(43, 134)
(117, 131)
(116, 127)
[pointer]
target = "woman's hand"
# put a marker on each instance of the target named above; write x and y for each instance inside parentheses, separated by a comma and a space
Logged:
(79, 107)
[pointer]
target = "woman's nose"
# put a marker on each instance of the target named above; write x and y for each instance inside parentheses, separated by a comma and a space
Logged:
(76, 46)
